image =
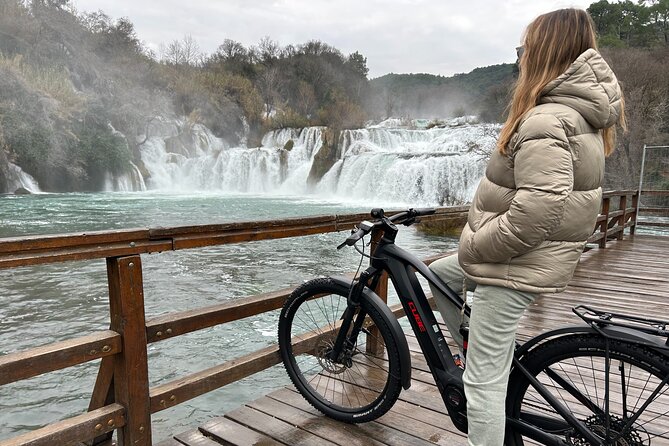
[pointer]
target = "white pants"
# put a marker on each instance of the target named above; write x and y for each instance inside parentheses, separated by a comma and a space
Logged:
(492, 334)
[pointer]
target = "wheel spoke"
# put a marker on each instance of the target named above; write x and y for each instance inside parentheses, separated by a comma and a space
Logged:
(579, 372)
(357, 385)
(573, 391)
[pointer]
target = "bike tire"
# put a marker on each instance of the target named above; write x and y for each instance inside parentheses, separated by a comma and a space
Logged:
(366, 384)
(579, 361)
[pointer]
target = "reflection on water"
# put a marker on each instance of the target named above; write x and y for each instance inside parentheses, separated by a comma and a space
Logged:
(48, 303)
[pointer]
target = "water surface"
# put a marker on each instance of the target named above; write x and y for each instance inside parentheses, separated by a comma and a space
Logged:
(48, 303)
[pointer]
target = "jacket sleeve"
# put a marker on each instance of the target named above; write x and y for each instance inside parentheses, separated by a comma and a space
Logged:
(543, 173)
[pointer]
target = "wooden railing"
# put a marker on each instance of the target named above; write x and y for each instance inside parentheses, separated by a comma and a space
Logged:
(619, 210)
(121, 399)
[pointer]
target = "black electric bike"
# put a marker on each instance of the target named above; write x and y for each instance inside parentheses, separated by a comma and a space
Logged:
(603, 383)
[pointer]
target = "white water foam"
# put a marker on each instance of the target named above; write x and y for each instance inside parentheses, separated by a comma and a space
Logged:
(439, 166)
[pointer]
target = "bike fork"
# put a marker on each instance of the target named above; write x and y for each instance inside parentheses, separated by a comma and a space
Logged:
(344, 341)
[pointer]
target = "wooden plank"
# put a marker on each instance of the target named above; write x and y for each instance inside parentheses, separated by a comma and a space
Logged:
(275, 428)
(131, 380)
(419, 422)
(103, 395)
(384, 433)
(243, 226)
(169, 442)
(54, 241)
(201, 240)
(618, 193)
(226, 431)
(28, 363)
(103, 390)
(183, 389)
(317, 424)
(80, 428)
(659, 224)
(85, 252)
(175, 324)
(196, 438)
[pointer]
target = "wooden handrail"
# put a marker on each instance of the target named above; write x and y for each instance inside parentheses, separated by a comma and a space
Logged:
(33, 250)
(121, 398)
(614, 217)
(122, 376)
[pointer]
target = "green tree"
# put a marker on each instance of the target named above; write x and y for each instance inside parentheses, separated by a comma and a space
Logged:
(358, 64)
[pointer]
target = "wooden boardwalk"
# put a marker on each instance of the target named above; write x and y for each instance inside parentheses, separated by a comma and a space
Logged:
(632, 275)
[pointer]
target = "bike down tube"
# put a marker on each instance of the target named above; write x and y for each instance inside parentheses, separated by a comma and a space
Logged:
(401, 267)
(399, 264)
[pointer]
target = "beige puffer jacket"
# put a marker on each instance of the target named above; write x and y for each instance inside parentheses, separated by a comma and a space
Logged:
(534, 209)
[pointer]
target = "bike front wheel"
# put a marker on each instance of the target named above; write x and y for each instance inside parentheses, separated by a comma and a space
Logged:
(621, 395)
(364, 381)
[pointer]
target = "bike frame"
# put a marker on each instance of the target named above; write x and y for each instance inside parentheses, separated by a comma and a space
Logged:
(402, 267)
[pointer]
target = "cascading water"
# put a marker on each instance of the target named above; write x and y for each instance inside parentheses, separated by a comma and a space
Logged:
(437, 166)
(374, 164)
(18, 180)
(129, 182)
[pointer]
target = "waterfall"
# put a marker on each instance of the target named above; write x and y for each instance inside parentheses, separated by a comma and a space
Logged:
(18, 179)
(129, 182)
(417, 167)
(378, 163)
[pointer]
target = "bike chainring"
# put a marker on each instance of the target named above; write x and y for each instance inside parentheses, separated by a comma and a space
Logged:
(597, 425)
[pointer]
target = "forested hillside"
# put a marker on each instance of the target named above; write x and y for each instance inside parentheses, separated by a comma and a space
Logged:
(79, 93)
(481, 92)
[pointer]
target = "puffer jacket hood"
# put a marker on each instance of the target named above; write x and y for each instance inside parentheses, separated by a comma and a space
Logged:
(590, 87)
(537, 205)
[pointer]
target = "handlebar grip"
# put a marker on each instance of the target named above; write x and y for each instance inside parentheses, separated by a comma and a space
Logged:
(424, 211)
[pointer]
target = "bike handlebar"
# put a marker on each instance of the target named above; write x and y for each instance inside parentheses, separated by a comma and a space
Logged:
(363, 228)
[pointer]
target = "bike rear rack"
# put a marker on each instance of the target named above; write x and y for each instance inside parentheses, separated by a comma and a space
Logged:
(598, 318)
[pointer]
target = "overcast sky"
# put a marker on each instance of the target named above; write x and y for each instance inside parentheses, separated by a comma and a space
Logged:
(400, 36)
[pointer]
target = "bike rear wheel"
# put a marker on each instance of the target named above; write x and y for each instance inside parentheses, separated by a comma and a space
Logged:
(364, 382)
(574, 370)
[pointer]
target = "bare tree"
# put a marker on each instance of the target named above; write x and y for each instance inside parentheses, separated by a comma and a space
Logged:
(306, 99)
(182, 52)
(268, 50)
(269, 84)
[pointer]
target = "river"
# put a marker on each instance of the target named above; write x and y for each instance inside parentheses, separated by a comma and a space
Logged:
(44, 304)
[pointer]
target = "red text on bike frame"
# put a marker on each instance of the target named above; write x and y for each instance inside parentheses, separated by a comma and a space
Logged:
(416, 316)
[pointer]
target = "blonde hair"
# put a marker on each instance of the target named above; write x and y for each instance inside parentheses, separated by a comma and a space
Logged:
(552, 42)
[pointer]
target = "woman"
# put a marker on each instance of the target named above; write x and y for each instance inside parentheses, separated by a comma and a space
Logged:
(537, 204)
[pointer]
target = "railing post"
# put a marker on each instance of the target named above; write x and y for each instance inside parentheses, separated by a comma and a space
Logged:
(103, 395)
(131, 380)
(381, 289)
(604, 225)
(623, 218)
(635, 205)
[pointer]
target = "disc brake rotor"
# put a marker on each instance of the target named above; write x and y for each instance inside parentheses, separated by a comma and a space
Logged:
(323, 349)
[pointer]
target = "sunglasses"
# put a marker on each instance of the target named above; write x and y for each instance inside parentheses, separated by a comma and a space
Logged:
(519, 51)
